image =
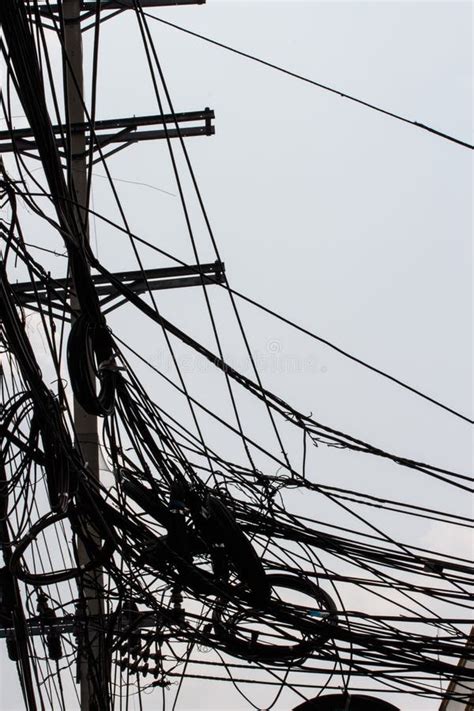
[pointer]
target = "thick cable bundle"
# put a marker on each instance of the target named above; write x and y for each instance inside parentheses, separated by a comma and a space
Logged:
(248, 646)
(184, 561)
(90, 359)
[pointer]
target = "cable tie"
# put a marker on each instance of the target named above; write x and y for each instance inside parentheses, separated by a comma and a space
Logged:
(110, 364)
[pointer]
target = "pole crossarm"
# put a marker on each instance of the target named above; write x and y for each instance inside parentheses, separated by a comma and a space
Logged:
(73, 623)
(126, 130)
(55, 293)
(90, 6)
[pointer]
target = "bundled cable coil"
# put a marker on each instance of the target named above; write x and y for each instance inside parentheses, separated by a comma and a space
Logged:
(241, 629)
(90, 358)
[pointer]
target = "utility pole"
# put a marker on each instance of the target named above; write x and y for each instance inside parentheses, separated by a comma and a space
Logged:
(93, 658)
(458, 685)
(94, 666)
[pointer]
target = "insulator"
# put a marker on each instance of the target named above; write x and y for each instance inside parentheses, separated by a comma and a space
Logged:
(123, 649)
(156, 671)
(130, 610)
(7, 593)
(176, 597)
(130, 646)
(53, 641)
(12, 649)
(133, 667)
(161, 682)
(135, 649)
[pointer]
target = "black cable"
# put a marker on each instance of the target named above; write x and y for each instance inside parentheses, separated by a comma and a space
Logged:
(211, 280)
(317, 84)
(139, 437)
(214, 243)
(351, 357)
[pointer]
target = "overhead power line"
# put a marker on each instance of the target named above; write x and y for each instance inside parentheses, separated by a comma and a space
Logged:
(354, 358)
(318, 84)
(289, 322)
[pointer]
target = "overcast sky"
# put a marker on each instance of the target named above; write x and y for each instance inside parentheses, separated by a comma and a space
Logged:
(354, 225)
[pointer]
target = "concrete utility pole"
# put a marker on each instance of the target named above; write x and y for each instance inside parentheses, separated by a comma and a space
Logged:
(94, 666)
(94, 657)
(462, 687)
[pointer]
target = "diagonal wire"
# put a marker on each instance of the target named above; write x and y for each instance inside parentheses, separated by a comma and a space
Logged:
(317, 84)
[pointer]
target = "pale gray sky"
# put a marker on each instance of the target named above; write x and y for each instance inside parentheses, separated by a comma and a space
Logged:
(352, 224)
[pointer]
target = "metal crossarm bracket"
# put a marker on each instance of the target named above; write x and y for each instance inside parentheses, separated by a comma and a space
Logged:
(108, 9)
(127, 130)
(72, 624)
(55, 293)
(90, 6)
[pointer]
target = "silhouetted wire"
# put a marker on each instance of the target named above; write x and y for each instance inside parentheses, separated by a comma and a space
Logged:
(312, 82)
(122, 213)
(211, 280)
(387, 652)
(315, 486)
(146, 35)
